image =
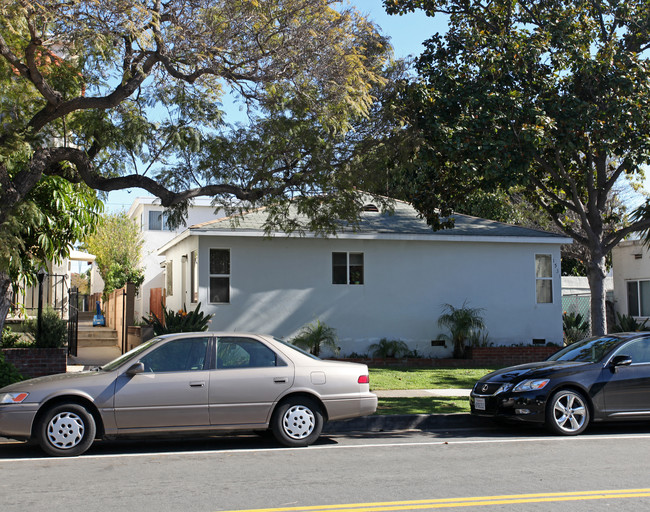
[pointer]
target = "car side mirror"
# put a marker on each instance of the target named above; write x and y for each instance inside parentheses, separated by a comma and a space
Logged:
(134, 369)
(621, 360)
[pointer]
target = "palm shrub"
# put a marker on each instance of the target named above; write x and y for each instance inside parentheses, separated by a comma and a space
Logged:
(316, 335)
(463, 323)
(178, 321)
(627, 323)
(389, 348)
(575, 327)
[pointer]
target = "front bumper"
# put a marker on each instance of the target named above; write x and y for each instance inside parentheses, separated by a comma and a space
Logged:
(529, 407)
(16, 420)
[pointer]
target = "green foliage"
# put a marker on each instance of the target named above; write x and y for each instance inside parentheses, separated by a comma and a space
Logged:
(463, 323)
(178, 321)
(54, 330)
(575, 327)
(8, 372)
(552, 97)
(627, 323)
(117, 245)
(315, 336)
(389, 348)
(8, 338)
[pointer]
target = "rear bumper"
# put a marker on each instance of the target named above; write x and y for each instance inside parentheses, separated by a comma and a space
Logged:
(351, 407)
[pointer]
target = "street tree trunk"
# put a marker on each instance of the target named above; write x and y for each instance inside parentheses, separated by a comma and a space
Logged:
(596, 277)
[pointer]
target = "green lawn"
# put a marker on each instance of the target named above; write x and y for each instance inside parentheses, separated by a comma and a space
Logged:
(423, 405)
(425, 378)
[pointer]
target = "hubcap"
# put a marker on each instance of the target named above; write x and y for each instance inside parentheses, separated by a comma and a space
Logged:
(65, 430)
(298, 422)
(569, 412)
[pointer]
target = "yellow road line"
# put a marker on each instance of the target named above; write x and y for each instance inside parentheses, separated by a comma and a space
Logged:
(464, 502)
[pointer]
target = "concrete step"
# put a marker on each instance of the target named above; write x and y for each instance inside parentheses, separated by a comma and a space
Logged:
(96, 337)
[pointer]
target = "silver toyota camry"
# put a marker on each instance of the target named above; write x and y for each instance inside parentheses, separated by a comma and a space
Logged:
(189, 383)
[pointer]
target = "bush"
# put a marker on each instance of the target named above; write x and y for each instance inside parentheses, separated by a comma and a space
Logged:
(463, 323)
(54, 330)
(8, 372)
(178, 321)
(627, 323)
(389, 348)
(9, 339)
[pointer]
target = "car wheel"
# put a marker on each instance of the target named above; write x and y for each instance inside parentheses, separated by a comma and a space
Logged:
(66, 430)
(567, 413)
(297, 422)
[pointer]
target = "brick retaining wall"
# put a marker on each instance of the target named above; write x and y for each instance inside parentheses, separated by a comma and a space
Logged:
(36, 362)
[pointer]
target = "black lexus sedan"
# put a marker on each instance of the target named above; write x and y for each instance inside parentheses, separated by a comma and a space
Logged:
(603, 378)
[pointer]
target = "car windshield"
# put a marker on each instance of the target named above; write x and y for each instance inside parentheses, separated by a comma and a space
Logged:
(590, 350)
(297, 349)
(131, 354)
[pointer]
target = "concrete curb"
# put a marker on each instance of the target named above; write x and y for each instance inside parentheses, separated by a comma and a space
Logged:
(397, 422)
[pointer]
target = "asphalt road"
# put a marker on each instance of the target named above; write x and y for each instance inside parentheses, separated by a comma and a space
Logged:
(495, 469)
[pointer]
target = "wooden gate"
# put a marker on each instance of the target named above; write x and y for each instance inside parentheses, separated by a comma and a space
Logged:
(156, 301)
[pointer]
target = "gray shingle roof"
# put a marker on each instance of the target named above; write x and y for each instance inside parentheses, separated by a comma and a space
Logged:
(403, 221)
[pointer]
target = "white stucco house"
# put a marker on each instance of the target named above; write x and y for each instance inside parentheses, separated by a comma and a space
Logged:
(631, 272)
(389, 278)
(149, 215)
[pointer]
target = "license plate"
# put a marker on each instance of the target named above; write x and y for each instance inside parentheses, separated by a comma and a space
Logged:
(479, 404)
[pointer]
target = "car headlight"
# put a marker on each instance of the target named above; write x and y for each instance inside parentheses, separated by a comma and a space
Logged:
(12, 398)
(531, 385)
(503, 388)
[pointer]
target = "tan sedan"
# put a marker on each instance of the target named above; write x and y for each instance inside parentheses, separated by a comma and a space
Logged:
(189, 383)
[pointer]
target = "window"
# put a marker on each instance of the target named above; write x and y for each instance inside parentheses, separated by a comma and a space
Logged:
(544, 278)
(182, 355)
(219, 275)
(638, 350)
(158, 221)
(638, 298)
(347, 268)
(194, 277)
(245, 353)
(169, 278)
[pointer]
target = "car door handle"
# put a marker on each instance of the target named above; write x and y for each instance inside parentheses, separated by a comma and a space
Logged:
(197, 384)
(280, 380)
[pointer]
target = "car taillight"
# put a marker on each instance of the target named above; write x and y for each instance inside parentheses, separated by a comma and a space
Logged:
(364, 379)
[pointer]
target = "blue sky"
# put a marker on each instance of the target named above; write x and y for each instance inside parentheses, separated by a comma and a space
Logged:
(406, 33)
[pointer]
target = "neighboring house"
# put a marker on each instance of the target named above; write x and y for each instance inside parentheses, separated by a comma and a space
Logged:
(152, 221)
(631, 270)
(56, 285)
(389, 278)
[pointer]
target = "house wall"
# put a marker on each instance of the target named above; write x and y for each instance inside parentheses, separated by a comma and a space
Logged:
(630, 262)
(201, 211)
(278, 285)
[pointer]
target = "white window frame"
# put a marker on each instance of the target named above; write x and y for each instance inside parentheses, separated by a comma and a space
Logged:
(194, 277)
(640, 306)
(163, 220)
(348, 268)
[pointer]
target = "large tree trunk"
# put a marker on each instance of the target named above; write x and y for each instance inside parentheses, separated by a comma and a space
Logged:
(596, 276)
(5, 297)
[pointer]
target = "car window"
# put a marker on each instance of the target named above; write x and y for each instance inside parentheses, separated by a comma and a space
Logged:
(235, 352)
(638, 350)
(587, 351)
(181, 355)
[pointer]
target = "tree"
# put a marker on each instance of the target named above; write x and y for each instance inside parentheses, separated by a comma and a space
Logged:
(120, 94)
(117, 246)
(552, 96)
(43, 228)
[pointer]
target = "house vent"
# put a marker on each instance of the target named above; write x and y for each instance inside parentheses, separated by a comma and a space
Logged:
(637, 256)
(370, 208)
